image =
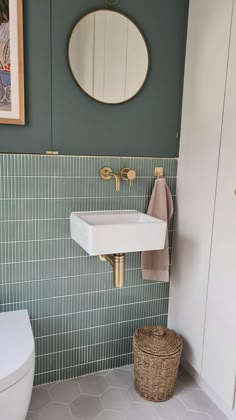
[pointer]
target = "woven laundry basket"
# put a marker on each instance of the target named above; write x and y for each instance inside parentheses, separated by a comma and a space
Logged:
(157, 352)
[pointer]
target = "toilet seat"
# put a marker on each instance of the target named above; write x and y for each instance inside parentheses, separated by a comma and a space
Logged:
(16, 347)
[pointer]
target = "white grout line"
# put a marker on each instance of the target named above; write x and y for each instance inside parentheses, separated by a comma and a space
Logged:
(94, 197)
(74, 294)
(46, 239)
(99, 326)
(65, 277)
(73, 257)
(84, 347)
(5, 285)
(83, 364)
(92, 157)
(45, 259)
(86, 310)
(35, 240)
(208, 411)
(46, 219)
(76, 276)
(78, 198)
(99, 309)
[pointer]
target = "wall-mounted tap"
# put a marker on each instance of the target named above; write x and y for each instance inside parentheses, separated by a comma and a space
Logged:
(107, 173)
(126, 174)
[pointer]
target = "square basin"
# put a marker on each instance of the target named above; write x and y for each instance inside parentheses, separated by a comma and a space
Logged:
(115, 232)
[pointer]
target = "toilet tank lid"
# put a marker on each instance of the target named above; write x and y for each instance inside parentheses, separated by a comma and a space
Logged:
(16, 347)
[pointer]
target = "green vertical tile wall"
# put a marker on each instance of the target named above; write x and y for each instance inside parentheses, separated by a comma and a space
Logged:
(81, 323)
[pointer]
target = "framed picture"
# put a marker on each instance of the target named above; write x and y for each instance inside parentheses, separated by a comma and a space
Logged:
(11, 63)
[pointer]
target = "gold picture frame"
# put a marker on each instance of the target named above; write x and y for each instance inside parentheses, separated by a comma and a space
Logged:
(12, 102)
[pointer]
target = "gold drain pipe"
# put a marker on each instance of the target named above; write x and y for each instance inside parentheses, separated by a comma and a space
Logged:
(117, 262)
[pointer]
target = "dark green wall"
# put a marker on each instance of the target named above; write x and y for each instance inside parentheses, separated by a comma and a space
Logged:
(35, 136)
(60, 116)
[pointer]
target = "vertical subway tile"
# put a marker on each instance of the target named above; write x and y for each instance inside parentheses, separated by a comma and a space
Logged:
(80, 323)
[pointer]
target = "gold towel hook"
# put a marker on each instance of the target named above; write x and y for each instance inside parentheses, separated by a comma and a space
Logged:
(159, 172)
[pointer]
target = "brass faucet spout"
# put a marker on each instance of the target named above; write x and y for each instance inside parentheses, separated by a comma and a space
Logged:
(117, 180)
(106, 173)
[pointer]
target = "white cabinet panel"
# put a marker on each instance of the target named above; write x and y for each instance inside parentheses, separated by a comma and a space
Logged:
(204, 87)
(219, 355)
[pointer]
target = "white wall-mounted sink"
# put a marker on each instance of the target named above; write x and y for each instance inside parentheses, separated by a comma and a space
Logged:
(114, 232)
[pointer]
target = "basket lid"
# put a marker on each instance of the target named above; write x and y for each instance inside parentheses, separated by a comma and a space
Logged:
(158, 341)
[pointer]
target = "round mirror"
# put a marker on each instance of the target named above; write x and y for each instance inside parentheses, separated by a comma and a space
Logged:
(108, 56)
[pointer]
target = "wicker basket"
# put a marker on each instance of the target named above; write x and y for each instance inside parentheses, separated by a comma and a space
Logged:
(157, 352)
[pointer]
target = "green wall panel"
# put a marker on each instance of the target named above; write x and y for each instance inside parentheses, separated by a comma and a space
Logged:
(35, 136)
(81, 323)
(144, 126)
(60, 116)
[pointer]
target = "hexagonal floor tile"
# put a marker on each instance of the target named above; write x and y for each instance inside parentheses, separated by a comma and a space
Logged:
(186, 379)
(64, 392)
(171, 410)
(103, 372)
(86, 407)
(130, 368)
(216, 414)
(39, 398)
(45, 386)
(120, 378)
(55, 411)
(93, 384)
(136, 397)
(196, 416)
(110, 415)
(195, 400)
(32, 415)
(141, 412)
(116, 399)
(179, 387)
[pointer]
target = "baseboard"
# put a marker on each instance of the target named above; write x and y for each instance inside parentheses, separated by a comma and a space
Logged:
(230, 414)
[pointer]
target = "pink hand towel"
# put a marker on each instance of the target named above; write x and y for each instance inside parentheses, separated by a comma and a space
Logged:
(155, 264)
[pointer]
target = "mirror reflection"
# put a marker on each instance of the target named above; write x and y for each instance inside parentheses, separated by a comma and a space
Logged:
(108, 56)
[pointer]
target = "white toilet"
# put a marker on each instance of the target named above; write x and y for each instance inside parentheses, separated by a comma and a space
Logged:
(17, 362)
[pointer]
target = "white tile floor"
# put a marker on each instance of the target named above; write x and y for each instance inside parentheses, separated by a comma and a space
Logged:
(110, 396)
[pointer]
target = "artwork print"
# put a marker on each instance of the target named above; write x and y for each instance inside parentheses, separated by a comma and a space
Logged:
(5, 57)
(11, 62)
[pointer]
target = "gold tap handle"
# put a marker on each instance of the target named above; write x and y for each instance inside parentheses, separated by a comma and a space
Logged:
(131, 175)
(128, 174)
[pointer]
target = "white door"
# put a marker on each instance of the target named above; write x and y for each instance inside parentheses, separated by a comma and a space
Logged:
(219, 353)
